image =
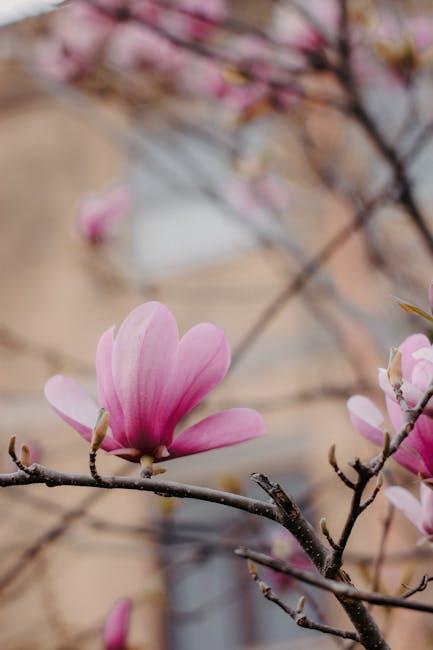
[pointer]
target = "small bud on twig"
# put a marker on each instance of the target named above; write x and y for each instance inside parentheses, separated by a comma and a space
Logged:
(332, 459)
(100, 429)
(23, 462)
(394, 371)
(300, 605)
(327, 534)
(26, 458)
(98, 434)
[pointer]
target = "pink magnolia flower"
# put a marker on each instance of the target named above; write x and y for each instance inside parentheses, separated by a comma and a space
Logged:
(99, 215)
(416, 452)
(116, 626)
(420, 513)
(307, 33)
(148, 380)
(286, 548)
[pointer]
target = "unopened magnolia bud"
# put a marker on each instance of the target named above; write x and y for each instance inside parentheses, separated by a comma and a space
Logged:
(300, 606)
(11, 447)
(252, 570)
(323, 526)
(332, 460)
(100, 430)
(394, 371)
(26, 458)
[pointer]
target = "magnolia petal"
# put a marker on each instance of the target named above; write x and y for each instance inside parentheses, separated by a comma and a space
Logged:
(366, 418)
(202, 361)
(143, 357)
(409, 453)
(127, 453)
(409, 346)
(116, 626)
(107, 395)
(71, 403)
(219, 430)
(407, 503)
(424, 353)
(426, 498)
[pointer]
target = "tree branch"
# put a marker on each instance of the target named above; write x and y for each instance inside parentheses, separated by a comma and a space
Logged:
(344, 591)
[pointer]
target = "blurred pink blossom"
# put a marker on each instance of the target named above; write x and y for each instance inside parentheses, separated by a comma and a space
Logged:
(263, 191)
(55, 62)
(305, 30)
(402, 43)
(420, 513)
(82, 29)
(202, 77)
(150, 11)
(148, 380)
(134, 46)
(99, 215)
(416, 452)
(196, 19)
(284, 547)
(116, 626)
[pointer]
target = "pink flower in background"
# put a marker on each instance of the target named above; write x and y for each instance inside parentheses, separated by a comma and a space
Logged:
(402, 43)
(150, 11)
(420, 513)
(294, 29)
(116, 626)
(82, 29)
(99, 215)
(196, 19)
(148, 380)
(56, 63)
(203, 77)
(134, 46)
(285, 547)
(77, 38)
(416, 452)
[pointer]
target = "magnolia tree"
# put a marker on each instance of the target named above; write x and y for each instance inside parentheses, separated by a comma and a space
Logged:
(326, 57)
(148, 380)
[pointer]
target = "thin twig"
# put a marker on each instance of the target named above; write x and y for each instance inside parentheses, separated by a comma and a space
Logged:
(297, 614)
